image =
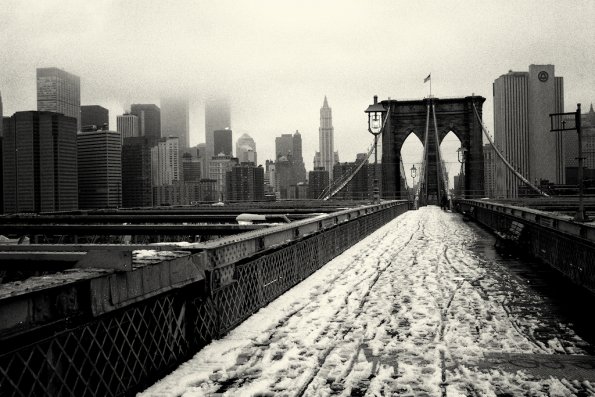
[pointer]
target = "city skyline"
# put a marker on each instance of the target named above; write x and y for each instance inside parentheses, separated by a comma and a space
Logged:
(256, 72)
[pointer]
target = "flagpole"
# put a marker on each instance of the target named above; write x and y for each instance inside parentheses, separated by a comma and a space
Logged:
(430, 85)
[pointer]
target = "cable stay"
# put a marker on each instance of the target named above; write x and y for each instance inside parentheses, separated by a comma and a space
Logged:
(501, 156)
(337, 185)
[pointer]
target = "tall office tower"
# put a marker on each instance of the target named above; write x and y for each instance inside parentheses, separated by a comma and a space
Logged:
(136, 172)
(318, 180)
(60, 92)
(523, 102)
(245, 182)
(298, 159)
(325, 136)
(94, 115)
(284, 145)
(218, 167)
(39, 154)
(217, 117)
(127, 126)
(165, 161)
(246, 149)
(99, 169)
(269, 177)
(489, 170)
(175, 120)
(571, 148)
(285, 176)
(222, 142)
(1, 114)
(149, 120)
(317, 161)
(190, 168)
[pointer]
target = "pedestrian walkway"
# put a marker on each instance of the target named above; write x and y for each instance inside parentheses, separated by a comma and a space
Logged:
(414, 309)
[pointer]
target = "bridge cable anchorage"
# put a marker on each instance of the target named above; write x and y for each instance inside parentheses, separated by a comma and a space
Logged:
(501, 156)
(339, 184)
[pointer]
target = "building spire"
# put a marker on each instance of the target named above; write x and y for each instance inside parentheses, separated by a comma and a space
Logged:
(325, 104)
(590, 110)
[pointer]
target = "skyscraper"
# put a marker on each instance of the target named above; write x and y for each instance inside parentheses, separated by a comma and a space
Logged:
(326, 138)
(59, 91)
(522, 104)
(284, 145)
(127, 126)
(149, 120)
(1, 114)
(246, 149)
(39, 154)
(99, 169)
(136, 172)
(165, 161)
(94, 115)
(245, 182)
(217, 117)
(175, 119)
(318, 180)
(218, 167)
(489, 170)
(298, 159)
(222, 142)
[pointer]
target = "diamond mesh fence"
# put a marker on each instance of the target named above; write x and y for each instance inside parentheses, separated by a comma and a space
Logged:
(128, 349)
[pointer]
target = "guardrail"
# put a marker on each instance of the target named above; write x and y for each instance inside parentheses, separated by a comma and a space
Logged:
(106, 332)
(557, 240)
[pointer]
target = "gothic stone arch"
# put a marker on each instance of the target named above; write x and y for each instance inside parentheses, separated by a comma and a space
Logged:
(453, 114)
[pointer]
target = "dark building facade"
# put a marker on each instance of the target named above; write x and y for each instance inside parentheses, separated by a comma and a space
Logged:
(94, 115)
(40, 163)
(245, 182)
(136, 172)
(222, 142)
(359, 188)
(190, 168)
(318, 180)
(149, 120)
(99, 169)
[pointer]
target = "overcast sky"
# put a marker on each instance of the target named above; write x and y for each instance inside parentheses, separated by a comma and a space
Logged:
(276, 60)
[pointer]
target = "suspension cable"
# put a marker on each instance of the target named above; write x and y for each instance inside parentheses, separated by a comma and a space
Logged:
(501, 156)
(439, 162)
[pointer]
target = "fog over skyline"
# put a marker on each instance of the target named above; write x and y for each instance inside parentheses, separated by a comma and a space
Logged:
(276, 60)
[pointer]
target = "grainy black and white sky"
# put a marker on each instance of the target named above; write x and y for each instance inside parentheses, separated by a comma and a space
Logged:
(276, 60)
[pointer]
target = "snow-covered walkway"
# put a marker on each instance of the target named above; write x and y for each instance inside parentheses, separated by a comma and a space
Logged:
(410, 310)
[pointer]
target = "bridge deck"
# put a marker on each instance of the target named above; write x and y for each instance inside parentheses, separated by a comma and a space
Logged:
(420, 307)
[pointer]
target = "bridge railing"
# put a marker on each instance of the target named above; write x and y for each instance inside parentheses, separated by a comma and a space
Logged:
(557, 240)
(114, 333)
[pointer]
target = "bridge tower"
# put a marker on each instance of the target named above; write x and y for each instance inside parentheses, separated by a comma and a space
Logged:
(452, 114)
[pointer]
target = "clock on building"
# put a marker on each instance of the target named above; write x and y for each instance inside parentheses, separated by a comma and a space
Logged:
(543, 76)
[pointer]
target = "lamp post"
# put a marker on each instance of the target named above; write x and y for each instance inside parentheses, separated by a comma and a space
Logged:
(558, 117)
(375, 124)
(462, 158)
(413, 174)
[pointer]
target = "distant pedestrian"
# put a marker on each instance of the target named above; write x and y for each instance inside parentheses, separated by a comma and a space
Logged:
(444, 202)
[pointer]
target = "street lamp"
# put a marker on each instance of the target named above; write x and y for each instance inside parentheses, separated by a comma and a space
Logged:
(462, 155)
(413, 173)
(375, 123)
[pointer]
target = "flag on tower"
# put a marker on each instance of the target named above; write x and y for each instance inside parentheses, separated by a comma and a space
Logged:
(428, 78)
